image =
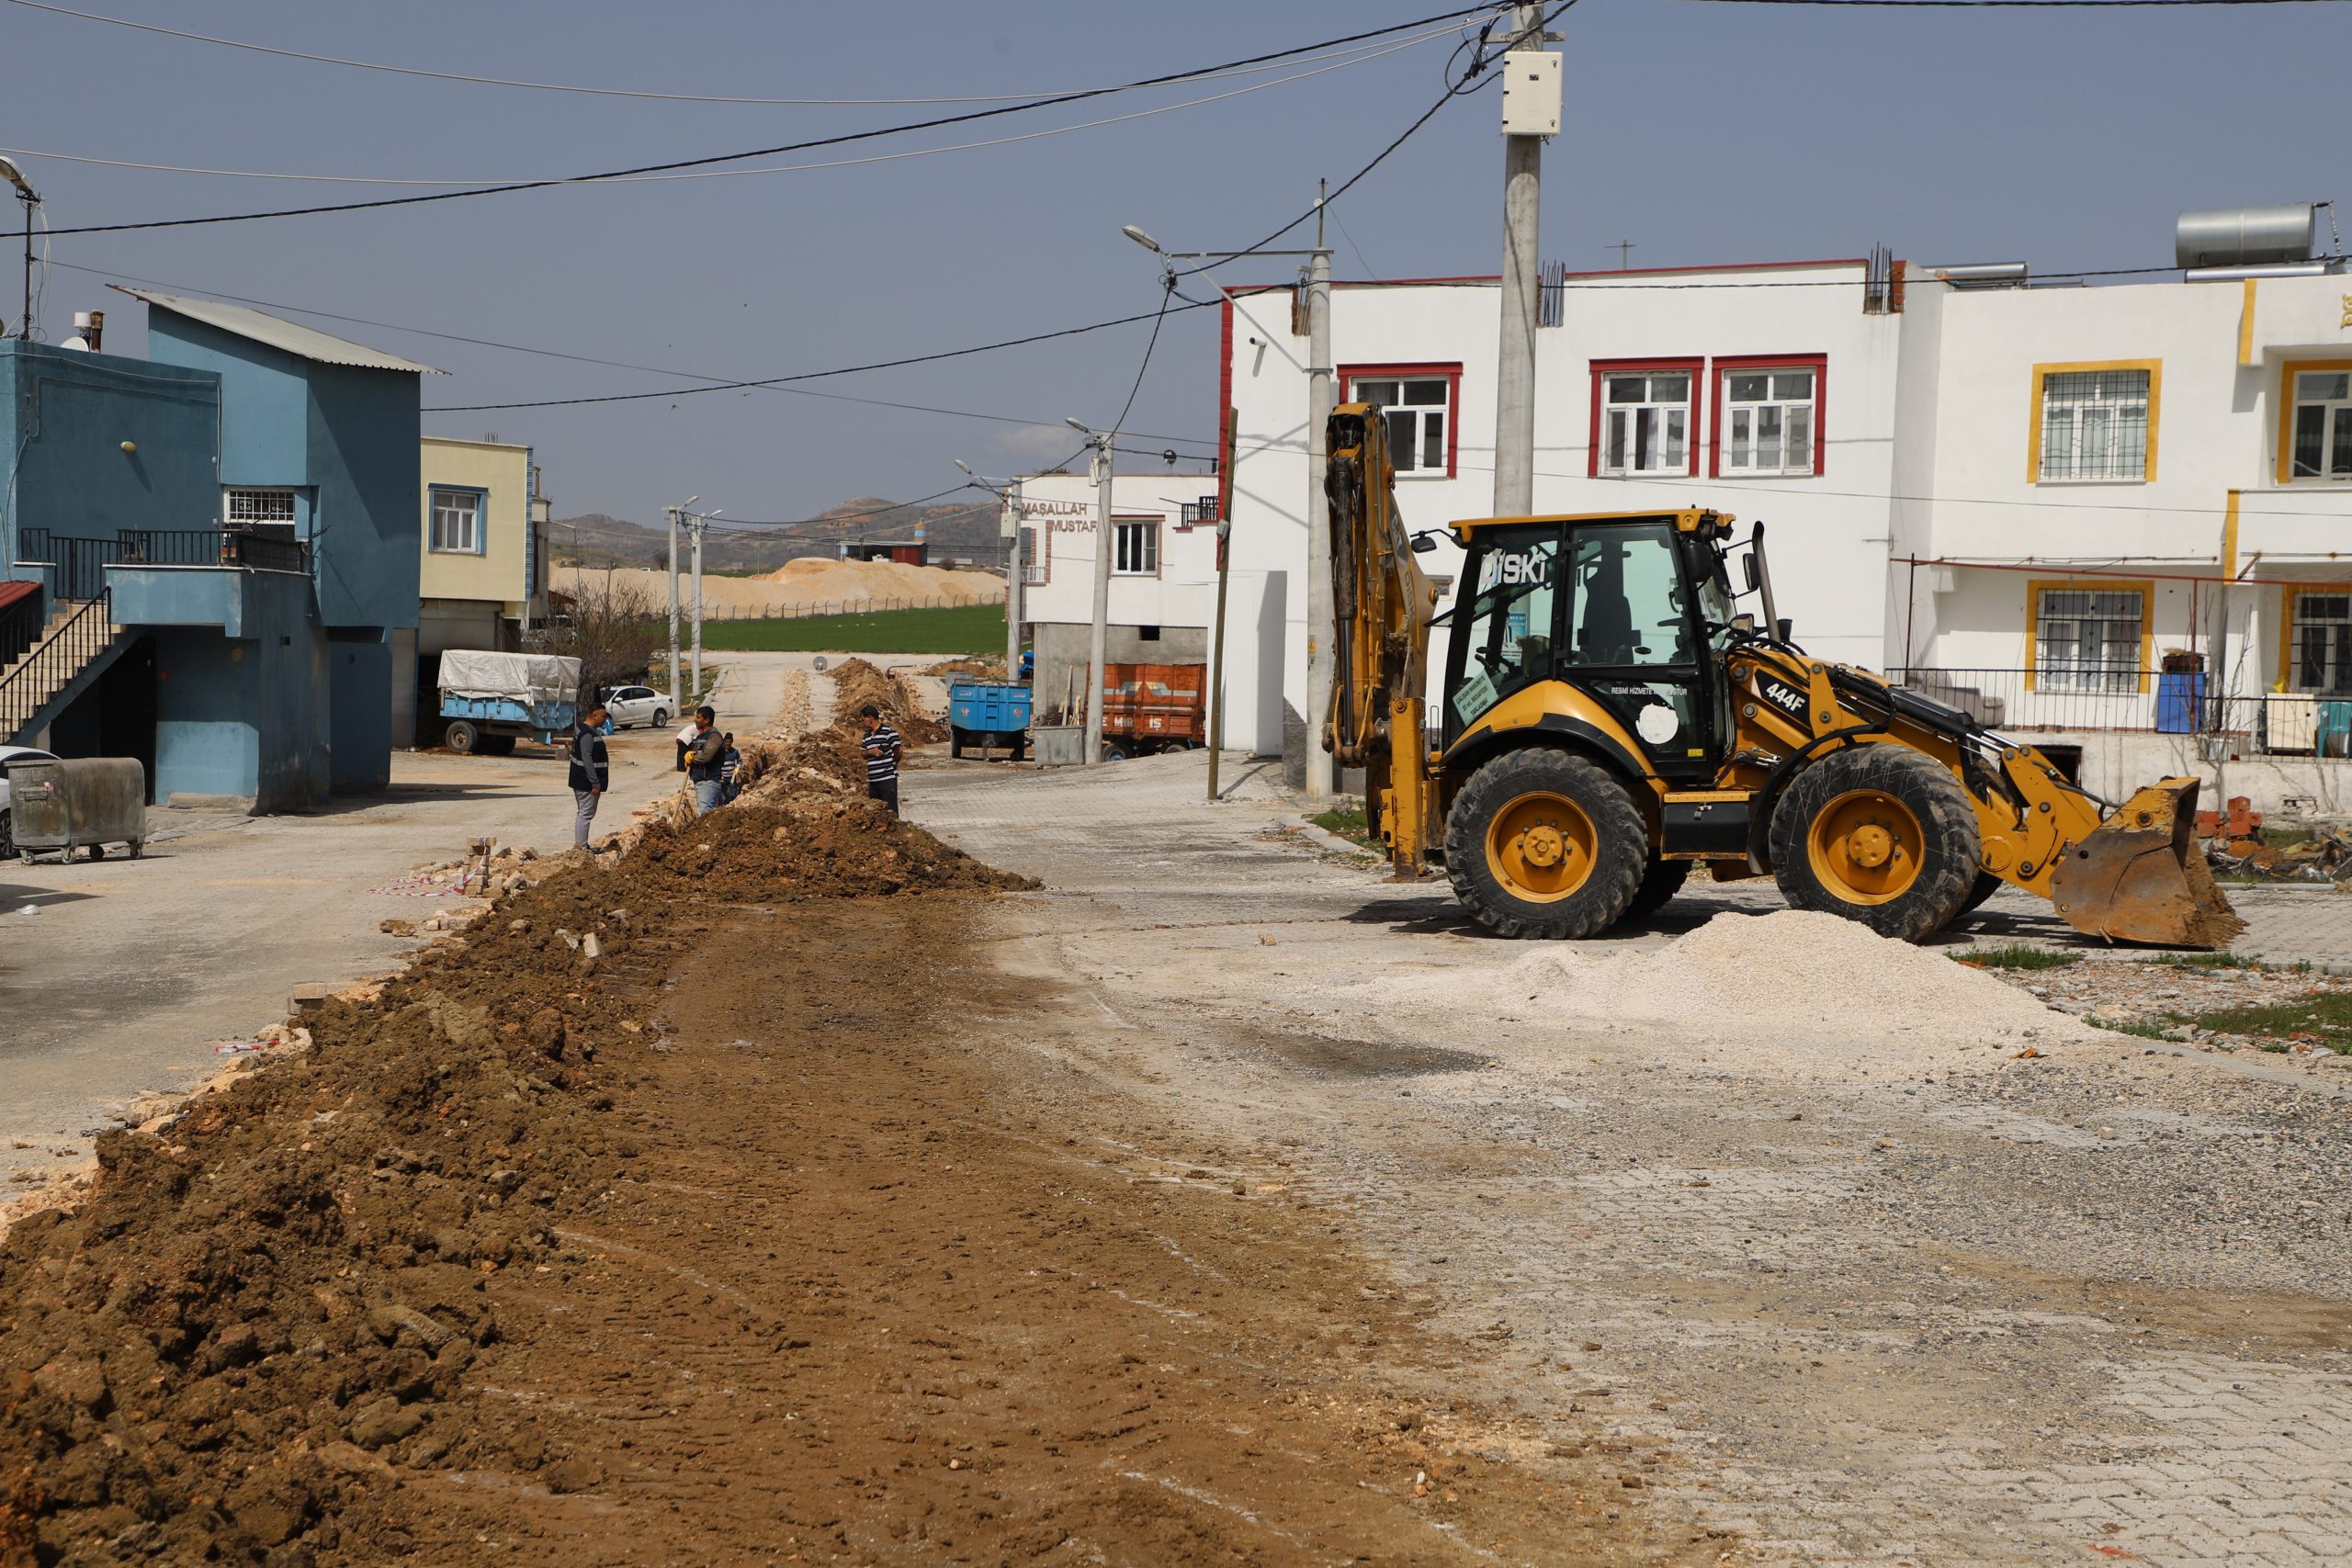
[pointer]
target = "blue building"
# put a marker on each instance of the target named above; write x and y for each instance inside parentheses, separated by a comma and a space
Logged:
(224, 541)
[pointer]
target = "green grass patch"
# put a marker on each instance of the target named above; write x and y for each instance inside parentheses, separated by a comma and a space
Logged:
(960, 628)
(2017, 956)
(2326, 1014)
(2140, 1029)
(1349, 822)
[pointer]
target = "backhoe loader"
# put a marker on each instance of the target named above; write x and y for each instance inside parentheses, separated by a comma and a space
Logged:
(1611, 717)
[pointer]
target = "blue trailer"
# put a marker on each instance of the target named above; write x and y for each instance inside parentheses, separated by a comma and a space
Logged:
(492, 700)
(988, 713)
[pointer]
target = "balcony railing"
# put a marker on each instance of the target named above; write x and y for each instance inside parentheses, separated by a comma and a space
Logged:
(2130, 700)
(77, 565)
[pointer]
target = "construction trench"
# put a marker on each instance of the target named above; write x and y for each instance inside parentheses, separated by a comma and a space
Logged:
(794, 1186)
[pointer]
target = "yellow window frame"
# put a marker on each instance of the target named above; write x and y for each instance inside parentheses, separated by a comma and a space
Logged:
(2287, 373)
(2287, 593)
(2034, 588)
(2042, 374)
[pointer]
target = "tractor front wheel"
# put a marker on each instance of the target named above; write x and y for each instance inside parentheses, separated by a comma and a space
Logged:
(1880, 834)
(1544, 843)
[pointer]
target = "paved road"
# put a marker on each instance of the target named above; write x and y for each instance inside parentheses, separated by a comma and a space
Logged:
(2093, 1306)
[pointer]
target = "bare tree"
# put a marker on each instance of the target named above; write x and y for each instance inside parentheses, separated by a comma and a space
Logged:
(611, 626)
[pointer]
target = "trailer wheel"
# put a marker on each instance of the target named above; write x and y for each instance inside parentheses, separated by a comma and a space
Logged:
(1880, 834)
(460, 737)
(1544, 843)
(495, 744)
(954, 741)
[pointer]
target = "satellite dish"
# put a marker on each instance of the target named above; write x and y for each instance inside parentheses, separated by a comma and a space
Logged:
(819, 665)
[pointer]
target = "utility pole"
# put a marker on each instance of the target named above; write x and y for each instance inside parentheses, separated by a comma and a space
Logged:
(677, 692)
(1531, 112)
(697, 688)
(1320, 627)
(1097, 637)
(1012, 583)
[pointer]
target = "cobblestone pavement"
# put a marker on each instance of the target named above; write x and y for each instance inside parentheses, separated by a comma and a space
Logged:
(2094, 1306)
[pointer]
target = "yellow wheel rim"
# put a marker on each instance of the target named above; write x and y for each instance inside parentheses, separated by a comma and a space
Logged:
(1540, 847)
(1866, 847)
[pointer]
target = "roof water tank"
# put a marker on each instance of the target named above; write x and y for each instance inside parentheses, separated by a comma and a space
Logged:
(2245, 236)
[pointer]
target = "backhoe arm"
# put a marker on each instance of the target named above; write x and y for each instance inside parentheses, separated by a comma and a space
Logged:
(1382, 604)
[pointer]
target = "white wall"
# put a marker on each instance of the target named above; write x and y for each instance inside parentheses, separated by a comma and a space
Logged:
(1061, 508)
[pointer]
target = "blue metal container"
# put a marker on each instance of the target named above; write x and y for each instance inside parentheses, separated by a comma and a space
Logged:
(2332, 736)
(2179, 697)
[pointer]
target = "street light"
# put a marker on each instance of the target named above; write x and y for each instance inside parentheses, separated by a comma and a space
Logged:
(1140, 237)
(25, 193)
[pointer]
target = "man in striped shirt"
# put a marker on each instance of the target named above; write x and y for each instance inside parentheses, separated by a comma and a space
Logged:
(881, 747)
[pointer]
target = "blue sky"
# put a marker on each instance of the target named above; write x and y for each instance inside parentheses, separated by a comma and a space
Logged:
(1700, 133)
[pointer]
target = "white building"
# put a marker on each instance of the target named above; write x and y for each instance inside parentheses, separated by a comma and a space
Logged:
(2024, 497)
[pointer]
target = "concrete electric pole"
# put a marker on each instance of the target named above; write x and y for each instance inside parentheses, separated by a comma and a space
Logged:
(697, 528)
(1320, 612)
(1014, 584)
(1531, 113)
(1097, 637)
(677, 692)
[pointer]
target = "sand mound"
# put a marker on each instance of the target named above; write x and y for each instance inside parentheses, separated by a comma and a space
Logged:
(810, 585)
(1756, 989)
(266, 1308)
(856, 684)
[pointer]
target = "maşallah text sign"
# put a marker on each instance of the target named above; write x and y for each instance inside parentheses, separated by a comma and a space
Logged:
(1061, 516)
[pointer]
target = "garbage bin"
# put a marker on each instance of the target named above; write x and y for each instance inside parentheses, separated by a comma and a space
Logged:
(2332, 737)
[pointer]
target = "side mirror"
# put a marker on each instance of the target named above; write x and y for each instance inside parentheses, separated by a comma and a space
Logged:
(1424, 543)
(1749, 569)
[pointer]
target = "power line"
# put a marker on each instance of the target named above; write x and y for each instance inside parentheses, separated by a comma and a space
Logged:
(2012, 4)
(1361, 58)
(555, 87)
(841, 139)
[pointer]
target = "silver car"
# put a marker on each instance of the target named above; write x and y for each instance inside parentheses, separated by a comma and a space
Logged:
(630, 705)
(11, 754)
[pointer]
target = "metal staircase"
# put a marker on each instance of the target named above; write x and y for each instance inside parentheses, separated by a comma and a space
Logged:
(80, 640)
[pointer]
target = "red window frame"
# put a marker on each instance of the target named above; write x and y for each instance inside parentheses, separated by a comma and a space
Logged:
(1452, 374)
(1695, 365)
(1816, 363)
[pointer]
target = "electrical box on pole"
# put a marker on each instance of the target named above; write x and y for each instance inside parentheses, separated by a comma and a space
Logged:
(1532, 92)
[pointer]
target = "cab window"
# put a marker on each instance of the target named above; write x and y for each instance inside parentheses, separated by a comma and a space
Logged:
(1504, 633)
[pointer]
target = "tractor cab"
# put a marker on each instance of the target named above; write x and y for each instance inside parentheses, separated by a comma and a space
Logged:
(1633, 610)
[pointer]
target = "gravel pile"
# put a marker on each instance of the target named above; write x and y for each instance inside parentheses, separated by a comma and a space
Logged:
(1786, 988)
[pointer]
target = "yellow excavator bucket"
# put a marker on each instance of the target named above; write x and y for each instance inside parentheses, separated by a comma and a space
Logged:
(2140, 876)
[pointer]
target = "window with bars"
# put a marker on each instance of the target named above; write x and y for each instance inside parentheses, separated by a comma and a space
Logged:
(2319, 639)
(1418, 409)
(2094, 425)
(271, 509)
(2321, 444)
(457, 522)
(1032, 557)
(1769, 420)
(1136, 549)
(2087, 639)
(1645, 423)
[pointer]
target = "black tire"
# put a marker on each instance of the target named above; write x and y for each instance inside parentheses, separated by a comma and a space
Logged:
(460, 737)
(7, 838)
(495, 744)
(1518, 832)
(661, 717)
(1880, 834)
(954, 741)
(1986, 885)
(98, 851)
(1112, 753)
(1660, 884)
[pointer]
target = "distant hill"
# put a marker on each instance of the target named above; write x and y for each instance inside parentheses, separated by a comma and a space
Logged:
(955, 533)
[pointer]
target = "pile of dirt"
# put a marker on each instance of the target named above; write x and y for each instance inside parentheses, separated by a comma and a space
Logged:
(968, 670)
(273, 1300)
(856, 684)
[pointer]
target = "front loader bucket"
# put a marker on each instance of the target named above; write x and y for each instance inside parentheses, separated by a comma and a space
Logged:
(2140, 877)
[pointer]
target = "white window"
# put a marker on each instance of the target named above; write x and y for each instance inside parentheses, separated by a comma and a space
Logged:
(2323, 441)
(1645, 423)
(1418, 408)
(1768, 422)
(1137, 549)
(271, 509)
(2320, 638)
(1032, 556)
(2087, 639)
(457, 522)
(2095, 425)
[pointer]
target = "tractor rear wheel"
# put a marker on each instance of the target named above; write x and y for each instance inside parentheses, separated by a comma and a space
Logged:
(1880, 834)
(1544, 843)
